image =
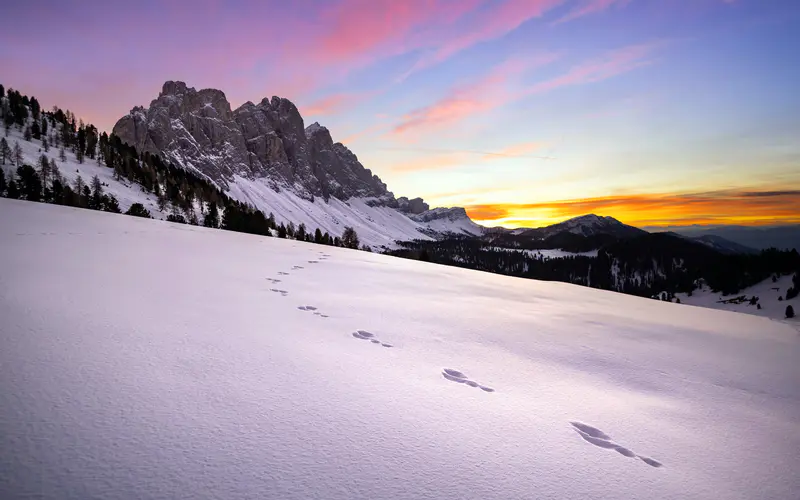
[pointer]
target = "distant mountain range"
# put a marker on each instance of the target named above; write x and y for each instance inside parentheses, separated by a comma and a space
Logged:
(758, 238)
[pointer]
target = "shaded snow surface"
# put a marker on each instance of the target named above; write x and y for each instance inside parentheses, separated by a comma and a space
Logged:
(144, 359)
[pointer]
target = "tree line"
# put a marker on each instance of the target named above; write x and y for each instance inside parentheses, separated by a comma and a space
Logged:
(180, 192)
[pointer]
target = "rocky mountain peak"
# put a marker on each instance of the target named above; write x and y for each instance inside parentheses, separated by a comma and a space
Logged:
(197, 130)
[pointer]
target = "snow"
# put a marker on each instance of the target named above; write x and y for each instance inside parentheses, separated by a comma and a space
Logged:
(144, 359)
(376, 226)
(771, 307)
(127, 193)
(547, 254)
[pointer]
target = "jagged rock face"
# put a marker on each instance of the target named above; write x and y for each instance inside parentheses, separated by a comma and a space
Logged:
(415, 206)
(451, 214)
(197, 130)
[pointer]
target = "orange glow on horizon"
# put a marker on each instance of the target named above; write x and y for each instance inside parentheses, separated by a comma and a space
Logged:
(747, 208)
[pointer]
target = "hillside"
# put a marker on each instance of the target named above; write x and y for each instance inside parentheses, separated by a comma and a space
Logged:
(215, 364)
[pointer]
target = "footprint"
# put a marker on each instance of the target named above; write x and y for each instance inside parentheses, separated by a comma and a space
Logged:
(273, 280)
(313, 262)
(591, 431)
(461, 378)
(365, 335)
(650, 461)
(601, 439)
(297, 267)
(283, 273)
(307, 308)
(282, 292)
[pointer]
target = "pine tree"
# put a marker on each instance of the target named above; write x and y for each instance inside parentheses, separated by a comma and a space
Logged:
(16, 154)
(2, 181)
(350, 238)
(62, 154)
(5, 150)
(212, 217)
(28, 135)
(44, 126)
(317, 236)
(36, 130)
(12, 191)
(30, 185)
(290, 229)
(281, 231)
(138, 210)
(55, 173)
(300, 234)
(45, 143)
(44, 170)
(110, 204)
(79, 184)
(96, 201)
(789, 312)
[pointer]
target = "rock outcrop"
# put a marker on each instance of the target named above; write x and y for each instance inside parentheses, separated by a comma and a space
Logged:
(197, 130)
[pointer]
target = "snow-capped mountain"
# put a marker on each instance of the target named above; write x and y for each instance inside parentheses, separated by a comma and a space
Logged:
(264, 155)
(586, 225)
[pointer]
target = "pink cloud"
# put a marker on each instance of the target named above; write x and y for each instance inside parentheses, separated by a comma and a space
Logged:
(487, 93)
(328, 104)
(612, 64)
(361, 28)
(487, 26)
(590, 7)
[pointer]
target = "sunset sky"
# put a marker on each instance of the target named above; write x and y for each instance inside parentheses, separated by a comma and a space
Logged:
(526, 112)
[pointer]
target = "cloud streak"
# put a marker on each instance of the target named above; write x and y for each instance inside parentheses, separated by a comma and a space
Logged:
(590, 7)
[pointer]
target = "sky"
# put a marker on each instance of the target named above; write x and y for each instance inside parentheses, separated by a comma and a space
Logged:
(525, 112)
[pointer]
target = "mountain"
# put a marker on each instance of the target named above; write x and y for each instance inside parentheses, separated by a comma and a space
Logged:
(579, 234)
(759, 238)
(723, 245)
(145, 359)
(586, 225)
(262, 154)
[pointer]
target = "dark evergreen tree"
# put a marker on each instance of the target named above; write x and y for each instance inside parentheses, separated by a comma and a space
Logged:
(86, 198)
(212, 217)
(30, 185)
(16, 154)
(28, 135)
(2, 181)
(5, 150)
(12, 191)
(317, 236)
(110, 204)
(300, 234)
(36, 130)
(62, 154)
(96, 201)
(789, 312)
(176, 217)
(138, 210)
(350, 238)
(45, 143)
(281, 231)
(290, 229)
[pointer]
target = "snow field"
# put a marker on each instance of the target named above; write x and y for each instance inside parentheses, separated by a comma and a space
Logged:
(144, 359)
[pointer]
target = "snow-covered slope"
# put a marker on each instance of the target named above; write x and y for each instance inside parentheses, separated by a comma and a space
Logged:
(767, 292)
(126, 192)
(143, 359)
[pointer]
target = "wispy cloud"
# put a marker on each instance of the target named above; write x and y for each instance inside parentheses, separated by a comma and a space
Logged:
(488, 25)
(445, 159)
(487, 93)
(590, 7)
